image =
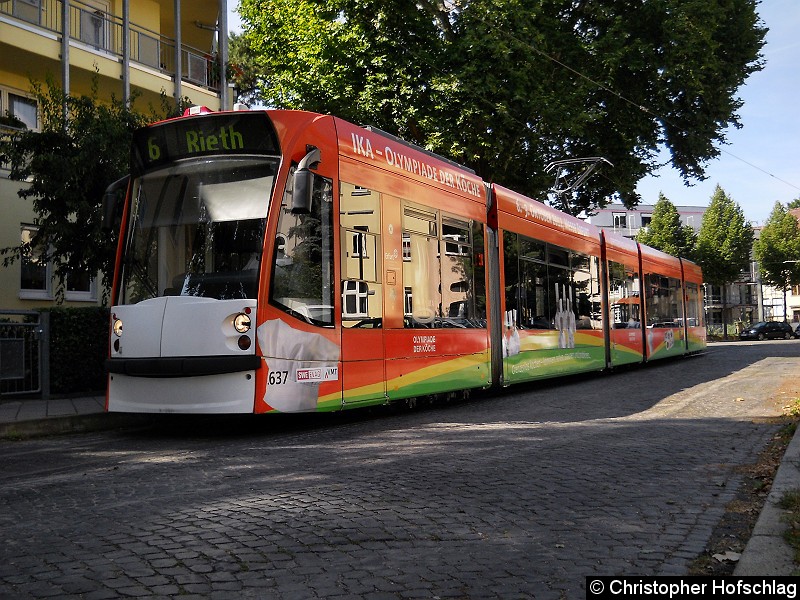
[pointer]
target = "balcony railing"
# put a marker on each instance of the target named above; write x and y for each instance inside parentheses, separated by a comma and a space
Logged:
(104, 33)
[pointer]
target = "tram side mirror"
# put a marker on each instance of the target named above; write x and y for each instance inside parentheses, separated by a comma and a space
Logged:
(304, 182)
(112, 202)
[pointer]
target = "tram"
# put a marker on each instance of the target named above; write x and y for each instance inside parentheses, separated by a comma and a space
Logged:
(286, 261)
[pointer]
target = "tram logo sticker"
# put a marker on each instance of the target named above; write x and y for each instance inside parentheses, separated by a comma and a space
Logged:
(669, 339)
(316, 374)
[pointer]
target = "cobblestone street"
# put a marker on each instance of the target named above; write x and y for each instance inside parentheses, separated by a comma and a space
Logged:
(517, 495)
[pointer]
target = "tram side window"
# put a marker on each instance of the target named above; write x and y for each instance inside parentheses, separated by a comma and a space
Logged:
(421, 268)
(694, 306)
(511, 271)
(623, 296)
(463, 293)
(360, 222)
(302, 274)
(663, 301)
(478, 274)
(444, 277)
(529, 294)
(586, 291)
(529, 300)
(545, 283)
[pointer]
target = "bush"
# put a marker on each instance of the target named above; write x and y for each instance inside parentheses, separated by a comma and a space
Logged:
(78, 349)
(715, 333)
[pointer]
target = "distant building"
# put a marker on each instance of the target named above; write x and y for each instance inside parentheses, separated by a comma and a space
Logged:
(171, 47)
(628, 221)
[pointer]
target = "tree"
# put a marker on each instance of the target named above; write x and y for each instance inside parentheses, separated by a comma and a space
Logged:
(243, 70)
(793, 204)
(723, 244)
(508, 87)
(778, 251)
(68, 164)
(666, 233)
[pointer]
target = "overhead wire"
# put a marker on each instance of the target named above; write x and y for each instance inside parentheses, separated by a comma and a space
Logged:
(454, 6)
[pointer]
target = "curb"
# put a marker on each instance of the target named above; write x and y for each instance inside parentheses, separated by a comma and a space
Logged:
(767, 553)
(71, 424)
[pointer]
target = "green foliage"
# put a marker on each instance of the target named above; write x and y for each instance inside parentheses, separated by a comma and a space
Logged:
(725, 240)
(243, 70)
(666, 233)
(83, 146)
(777, 249)
(495, 85)
(790, 504)
(78, 349)
(68, 165)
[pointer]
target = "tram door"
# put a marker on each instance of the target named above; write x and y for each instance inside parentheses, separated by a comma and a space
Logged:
(364, 376)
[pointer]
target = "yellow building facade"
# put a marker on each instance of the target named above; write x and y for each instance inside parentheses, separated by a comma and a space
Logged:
(142, 47)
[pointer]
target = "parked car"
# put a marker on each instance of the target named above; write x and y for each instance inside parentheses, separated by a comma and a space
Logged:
(768, 330)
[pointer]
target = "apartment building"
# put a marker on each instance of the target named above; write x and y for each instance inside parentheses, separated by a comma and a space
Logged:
(628, 221)
(148, 47)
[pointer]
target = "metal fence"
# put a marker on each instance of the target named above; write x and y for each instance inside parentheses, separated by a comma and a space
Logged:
(24, 356)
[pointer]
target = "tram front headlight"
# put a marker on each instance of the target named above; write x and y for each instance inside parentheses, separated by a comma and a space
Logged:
(117, 328)
(241, 323)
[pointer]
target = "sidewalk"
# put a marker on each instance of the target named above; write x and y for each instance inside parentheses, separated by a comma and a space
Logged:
(766, 554)
(33, 417)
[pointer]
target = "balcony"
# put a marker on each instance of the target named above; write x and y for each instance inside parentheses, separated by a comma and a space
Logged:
(103, 32)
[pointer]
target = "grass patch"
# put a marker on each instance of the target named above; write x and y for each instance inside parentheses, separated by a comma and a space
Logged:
(790, 503)
(792, 408)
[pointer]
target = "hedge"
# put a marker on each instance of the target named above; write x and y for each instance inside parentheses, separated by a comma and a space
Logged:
(78, 349)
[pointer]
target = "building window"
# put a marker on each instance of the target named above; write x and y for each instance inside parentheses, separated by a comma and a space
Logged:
(81, 287)
(35, 271)
(20, 107)
(27, 10)
(93, 21)
(408, 301)
(23, 109)
(93, 28)
(620, 220)
(36, 274)
(360, 242)
(355, 299)
(646, 220)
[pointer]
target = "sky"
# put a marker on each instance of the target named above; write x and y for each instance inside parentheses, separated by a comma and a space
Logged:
(760, 164)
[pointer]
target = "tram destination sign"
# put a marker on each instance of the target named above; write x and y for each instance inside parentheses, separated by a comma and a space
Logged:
(202, 135)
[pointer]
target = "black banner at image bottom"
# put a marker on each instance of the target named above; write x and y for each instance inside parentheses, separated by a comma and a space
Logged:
(685, 588)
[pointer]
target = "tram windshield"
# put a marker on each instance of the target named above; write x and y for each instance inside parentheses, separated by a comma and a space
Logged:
(196, 228)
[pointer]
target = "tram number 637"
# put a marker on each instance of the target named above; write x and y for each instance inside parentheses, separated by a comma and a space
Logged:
(278, 377)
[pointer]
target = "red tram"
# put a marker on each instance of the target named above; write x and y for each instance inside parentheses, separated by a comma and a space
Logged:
(284, 261)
